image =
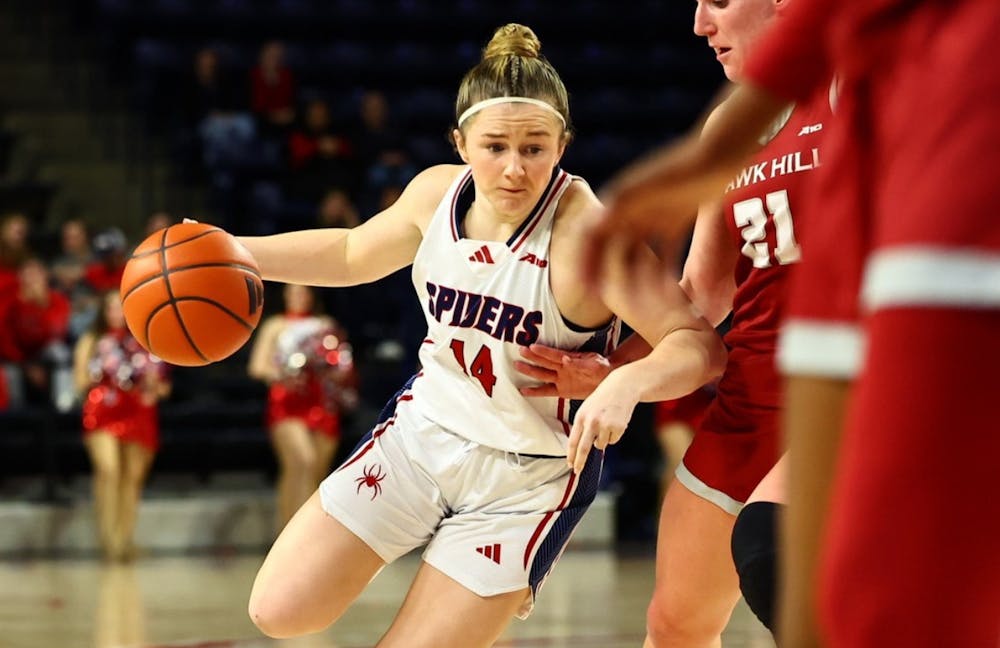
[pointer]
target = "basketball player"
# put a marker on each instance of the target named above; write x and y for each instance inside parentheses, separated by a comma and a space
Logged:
(909, 556)
(739, 262)
(490, 482)
(305, 395)
(927, 282)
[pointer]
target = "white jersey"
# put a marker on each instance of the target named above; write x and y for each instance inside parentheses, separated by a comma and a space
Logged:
(482, 301)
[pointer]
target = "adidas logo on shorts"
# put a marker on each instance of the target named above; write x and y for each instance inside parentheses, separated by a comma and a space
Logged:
(490, 551)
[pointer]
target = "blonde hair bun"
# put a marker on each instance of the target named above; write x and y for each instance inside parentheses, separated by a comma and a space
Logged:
(513, 40)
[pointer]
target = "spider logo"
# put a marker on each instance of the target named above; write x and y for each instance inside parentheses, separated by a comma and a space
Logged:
(373, 475)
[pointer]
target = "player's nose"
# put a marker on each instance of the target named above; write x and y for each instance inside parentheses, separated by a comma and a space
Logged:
(514, 166)
(703, 24)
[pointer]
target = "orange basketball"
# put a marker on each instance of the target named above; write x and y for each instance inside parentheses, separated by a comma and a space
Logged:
(191, 294)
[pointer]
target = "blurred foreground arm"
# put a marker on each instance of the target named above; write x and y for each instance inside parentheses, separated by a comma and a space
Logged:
(660, 194)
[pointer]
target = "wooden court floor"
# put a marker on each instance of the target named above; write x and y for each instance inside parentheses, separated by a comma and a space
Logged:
(594, 599)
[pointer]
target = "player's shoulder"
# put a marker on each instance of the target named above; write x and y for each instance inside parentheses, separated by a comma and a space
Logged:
(425, 191)
(435, 180)
(578, 203)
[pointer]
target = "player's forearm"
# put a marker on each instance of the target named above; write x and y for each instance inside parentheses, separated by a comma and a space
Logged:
(813, 419)
(680, 363)
(308, 257)
(631, 349)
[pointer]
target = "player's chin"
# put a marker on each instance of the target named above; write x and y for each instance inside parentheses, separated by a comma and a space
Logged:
(513, 203)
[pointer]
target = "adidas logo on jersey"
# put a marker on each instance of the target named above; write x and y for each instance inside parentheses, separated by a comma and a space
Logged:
(482, 255)
(810, 129)
(490, 551)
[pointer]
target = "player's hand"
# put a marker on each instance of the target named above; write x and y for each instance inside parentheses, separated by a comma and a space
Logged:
(566, 374)
(600, 421)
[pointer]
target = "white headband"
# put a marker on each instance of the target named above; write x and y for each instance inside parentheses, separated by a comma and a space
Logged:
(486, 103)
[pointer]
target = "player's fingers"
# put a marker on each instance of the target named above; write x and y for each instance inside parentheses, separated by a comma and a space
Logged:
(189, 220)
(582, 452)
(547, 353)
(534, 371)
(540, 391)
(587, 436)
(541, 356)
(601, 434)
(573, 443)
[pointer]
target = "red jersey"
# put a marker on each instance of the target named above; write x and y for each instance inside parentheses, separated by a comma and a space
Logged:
(916, 187)
(761, 207)
(738, 440)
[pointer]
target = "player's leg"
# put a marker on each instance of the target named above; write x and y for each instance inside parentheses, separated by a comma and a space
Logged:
(312, 573)
(136, 461)
(696, 583)
(105, 460)
(377, 506)
(325, 447)
(440, 613)
(754, 543)
(296, 456)
(674, 438)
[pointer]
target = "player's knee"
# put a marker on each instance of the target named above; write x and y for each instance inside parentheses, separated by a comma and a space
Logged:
(274, 617)
(754, 545)
(672, 622)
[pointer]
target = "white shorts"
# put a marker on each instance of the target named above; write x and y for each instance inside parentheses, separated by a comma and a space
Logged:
(493, 521)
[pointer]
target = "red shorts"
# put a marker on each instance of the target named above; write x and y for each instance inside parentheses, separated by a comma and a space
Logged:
(689, 409)
(304, 404)
(121, 414)
(738, 441)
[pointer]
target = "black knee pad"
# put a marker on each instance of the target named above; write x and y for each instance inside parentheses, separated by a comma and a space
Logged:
(755, 551)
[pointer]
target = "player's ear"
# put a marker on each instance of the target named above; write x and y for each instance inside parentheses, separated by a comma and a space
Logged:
(459, 139)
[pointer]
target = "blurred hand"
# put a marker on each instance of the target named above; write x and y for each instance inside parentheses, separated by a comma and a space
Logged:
(644, 204)
(566, 374)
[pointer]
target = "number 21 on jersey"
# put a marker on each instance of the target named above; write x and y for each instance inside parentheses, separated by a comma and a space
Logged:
(751, 219)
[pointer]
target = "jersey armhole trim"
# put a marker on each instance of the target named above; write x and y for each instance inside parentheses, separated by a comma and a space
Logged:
(819, 348)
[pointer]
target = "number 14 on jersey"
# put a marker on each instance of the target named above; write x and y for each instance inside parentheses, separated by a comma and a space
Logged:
(481, 368)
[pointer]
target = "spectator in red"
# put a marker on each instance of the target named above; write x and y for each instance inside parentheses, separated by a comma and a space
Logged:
(34, 322)
(105, 273)
(321, 157)
(272, 89)
(13, 250)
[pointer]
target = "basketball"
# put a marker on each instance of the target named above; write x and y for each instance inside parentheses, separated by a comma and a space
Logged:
(191, 294)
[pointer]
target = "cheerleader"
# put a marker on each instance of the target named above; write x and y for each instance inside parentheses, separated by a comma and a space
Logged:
(307, 362)
(121, 384)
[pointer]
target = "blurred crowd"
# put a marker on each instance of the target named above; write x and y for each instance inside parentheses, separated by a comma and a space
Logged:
(49, 296)
(279, 158)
